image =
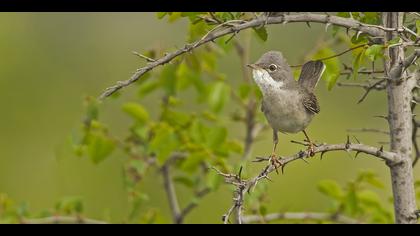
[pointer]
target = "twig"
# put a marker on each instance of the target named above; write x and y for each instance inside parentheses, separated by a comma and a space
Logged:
(336, 55)
(171, 194)
(148, 59)
(194, 204)
(372, 30)
(373, 86)
(242, 186)
(314, 216)
(368, 87)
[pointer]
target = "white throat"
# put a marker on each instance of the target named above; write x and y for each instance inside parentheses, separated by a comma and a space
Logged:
(265, 82)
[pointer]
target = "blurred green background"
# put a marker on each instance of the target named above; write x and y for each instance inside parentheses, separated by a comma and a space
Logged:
(50, 61)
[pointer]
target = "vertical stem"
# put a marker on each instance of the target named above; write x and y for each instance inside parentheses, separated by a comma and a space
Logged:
(400, 127)
(172, 198)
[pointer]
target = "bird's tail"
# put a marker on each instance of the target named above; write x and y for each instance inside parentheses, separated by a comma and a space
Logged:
(310, 74)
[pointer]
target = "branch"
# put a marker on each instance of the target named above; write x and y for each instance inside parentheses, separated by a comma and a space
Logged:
(373, 30)
(336, 55)
(378, 85)
(62, 220)
(170, 192)
(397, 70)
(243, 186)
(315, 216)
(194, 204)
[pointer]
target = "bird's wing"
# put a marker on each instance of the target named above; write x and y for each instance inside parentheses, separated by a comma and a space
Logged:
(310, 74)
(310, 103)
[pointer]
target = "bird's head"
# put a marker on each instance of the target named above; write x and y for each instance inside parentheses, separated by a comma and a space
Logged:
(271, 71)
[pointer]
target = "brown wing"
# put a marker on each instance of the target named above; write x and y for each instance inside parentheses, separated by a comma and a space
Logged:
(310, 103)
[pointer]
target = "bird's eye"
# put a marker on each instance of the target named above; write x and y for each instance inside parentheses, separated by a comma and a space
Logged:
(272, 67)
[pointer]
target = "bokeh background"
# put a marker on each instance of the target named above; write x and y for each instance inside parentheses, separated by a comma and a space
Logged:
(50, 61)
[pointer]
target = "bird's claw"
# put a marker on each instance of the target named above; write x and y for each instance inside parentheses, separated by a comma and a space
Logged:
(275, 162)
(311, 149)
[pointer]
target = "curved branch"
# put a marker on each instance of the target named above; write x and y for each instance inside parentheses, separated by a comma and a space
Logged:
(349, 23)
(243, 186)
(62, 220)
(315, 216)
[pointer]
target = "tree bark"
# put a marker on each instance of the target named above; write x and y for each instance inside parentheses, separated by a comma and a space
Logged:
(400, 127)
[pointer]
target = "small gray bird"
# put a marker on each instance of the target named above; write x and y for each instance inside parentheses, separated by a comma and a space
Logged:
(288, 105)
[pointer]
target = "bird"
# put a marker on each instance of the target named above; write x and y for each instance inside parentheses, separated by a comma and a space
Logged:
(288, 104)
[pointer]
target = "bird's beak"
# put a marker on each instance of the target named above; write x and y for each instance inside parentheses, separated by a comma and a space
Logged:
(253, 66)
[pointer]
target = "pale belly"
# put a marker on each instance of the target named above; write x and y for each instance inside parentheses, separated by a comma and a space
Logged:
(285, 112)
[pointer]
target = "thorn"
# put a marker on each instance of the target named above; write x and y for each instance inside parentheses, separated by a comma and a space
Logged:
(356, 139)
(303, 159)
(348, 142)
(322, 154)
(358, 34)
(240, 172)
(380, 150)
(347, 31)
(282, 169)
(357, 153)
(268, 178)
(308, 24)
(326, 26)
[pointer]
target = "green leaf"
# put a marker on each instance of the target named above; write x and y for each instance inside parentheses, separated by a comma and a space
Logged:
(148, 87)
(198, 131)
(374, 52)
(70, 205)
(174, 16)
(218, 95)
(351, 201)
(332, 67)
(186, 76)
(138, 166)
(369, 198)
(244, 90)
(192, 162)
(164, 142)
(160, 15)
(213, 180)
(262, 33)
(99, 147)
(331, 189)
(372, 18)
(184, 180)
(92, 109)
(359, 38)
(235, 146)
(137, 111)
(137, 202)
(168, 79)
(216, 136)
(175, 118)
(191, 15)
(357, 62)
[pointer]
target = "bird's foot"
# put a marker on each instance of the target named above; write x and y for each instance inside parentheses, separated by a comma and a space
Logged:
(311, 149)
(274, 160)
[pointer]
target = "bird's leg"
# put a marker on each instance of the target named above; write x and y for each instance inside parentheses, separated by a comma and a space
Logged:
(273, 157)
(311, 146)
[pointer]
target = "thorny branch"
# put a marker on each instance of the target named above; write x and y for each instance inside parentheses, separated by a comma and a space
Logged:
(248, 185)
(234, 28)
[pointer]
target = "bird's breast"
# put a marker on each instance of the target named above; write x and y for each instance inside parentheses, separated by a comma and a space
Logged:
(284, 110)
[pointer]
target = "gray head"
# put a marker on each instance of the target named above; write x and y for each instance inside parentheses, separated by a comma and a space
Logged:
(272, 70)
